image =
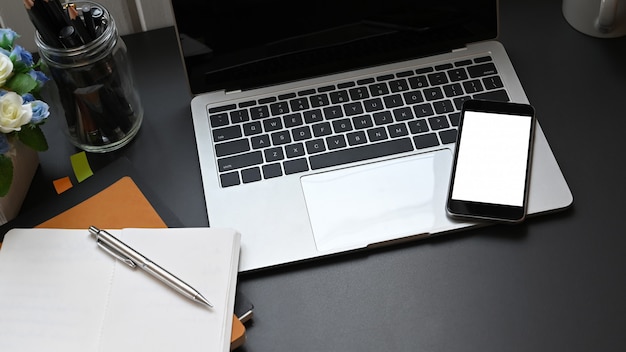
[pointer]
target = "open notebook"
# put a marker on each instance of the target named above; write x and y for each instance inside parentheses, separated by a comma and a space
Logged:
(60, 292)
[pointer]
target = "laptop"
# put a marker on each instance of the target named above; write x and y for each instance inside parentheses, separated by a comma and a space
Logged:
(330, 127)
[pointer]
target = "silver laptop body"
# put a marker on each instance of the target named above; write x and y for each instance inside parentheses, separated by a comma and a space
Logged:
(350, 206)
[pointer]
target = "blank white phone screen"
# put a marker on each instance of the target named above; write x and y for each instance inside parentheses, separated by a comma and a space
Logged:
(492, 159)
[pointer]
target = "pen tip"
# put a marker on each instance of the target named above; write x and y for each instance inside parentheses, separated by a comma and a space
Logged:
(204, 301)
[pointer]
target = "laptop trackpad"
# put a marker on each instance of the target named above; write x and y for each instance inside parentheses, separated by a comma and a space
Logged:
(358, 206)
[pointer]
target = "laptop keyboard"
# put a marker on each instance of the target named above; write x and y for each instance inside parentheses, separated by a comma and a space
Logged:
(347, 122)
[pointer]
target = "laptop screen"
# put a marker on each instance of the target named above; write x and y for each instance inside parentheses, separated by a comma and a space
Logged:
(243, 44)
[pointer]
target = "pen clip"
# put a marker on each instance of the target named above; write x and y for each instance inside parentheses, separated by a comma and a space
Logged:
(118, 256)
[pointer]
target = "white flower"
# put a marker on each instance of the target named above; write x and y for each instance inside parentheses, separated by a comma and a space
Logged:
(13, 112)
(6, 68)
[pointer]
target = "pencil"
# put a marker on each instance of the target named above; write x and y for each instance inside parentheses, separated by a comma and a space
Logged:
(78, 23)
(42, 22)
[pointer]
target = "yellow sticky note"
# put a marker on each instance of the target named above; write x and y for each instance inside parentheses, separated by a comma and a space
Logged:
(63, 184)
(81, 167)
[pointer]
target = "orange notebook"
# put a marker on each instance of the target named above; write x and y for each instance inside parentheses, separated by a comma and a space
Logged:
(121, 205)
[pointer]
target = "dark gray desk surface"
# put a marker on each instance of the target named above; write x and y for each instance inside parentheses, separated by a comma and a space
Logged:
(555, 283)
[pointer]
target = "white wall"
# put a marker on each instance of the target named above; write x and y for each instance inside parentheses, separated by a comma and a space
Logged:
(130, 16)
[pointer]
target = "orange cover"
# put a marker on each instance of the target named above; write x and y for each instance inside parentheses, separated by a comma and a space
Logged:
(118, 206)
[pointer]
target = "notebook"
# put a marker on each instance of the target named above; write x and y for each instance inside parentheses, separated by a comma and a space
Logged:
(60, 292)
(330, 127)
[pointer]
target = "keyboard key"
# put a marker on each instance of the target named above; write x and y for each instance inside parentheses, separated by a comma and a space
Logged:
(279, 108)
(272, 170)
(423, 110)
(418, 126)
(448, 136)
(457, 74)
(219, 120)
(363, 121)
(251, 175)
(403, 114)
(418, 82)
(301, 133)
(292, 120)
(312, 116)
(360, 153)
(252, 128)
(239, 161)
(433, 93)
(280, 137)
(335, 142)
(453, 90)
(426, 141)
(341, 126)
(299, 104)
(378, 89)
(259, 112)
(229, 179)
(273, 124)
(315, 146)
(270, 99)
(377, 134)
(352, 109)
(399, 85)
(393, 101)
(443, 107)
(498, 95)
(232, 147)
(438, 122)
(482, 59)
(356, 138)
(455, 119)
(493, 82)
(413, 97)
(359, 93)
(397, 130)
(273, 154)
(482, 70)
(458, 102)
(259, 142)
(238, 116)
(222, 108)
(382, 118)
(295, 166)
(339, 97)
(321, 129)
(319, 100)
(226, 133)
(472, 86)
(333, 112)
(294, 150)
(437, 78)
(373, 104)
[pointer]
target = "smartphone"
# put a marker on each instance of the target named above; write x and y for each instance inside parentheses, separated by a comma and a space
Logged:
(492, 161)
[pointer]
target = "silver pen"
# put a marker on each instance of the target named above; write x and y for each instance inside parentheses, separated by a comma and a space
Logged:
(134, 259)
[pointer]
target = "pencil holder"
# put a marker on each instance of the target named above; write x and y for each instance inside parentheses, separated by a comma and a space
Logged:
(95, 90)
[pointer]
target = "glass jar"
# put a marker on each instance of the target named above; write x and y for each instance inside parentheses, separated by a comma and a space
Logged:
(94, 82)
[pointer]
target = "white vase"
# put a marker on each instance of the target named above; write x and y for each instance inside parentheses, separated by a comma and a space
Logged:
(25, 162)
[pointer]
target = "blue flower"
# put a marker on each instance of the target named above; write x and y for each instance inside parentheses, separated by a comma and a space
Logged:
(4, 143)
(28, 98)
(7, 37)
(39, 76)
(21, 55)
(40, 111)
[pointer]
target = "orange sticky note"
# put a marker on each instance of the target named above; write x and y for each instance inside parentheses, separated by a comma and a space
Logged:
(63, 184)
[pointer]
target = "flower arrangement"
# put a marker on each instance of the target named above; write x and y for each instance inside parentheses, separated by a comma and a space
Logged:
(21, 113)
